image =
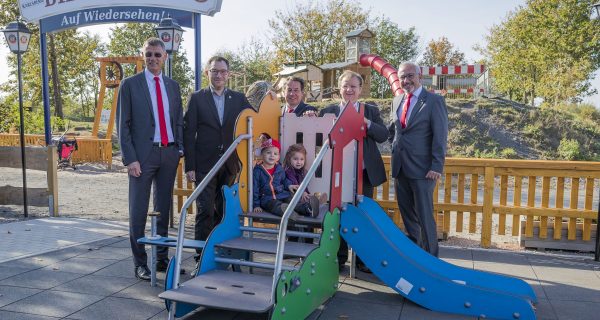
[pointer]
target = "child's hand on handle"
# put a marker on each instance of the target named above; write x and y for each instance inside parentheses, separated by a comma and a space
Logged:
(293, 188)
(258, 209)
(305, 196)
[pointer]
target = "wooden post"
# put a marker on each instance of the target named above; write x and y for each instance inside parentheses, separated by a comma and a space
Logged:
(488, 203)
(52, 181)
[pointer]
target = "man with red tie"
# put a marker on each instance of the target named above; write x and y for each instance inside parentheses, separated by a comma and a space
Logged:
(150, 126)
(419, 131)
(294, 98)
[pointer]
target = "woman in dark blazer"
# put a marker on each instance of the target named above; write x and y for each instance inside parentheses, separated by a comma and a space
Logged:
(350, 84)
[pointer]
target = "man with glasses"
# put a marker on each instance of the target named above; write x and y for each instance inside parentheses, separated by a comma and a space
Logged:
(418, 131)
(209, 125)
(150, 126)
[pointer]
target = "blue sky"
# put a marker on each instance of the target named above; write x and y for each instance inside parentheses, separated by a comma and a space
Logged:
(464, 22)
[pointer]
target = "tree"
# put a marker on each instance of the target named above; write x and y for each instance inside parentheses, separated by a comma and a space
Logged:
(395, 46)
(442, 52)
(548, 49)
(127, 40)
(316, 30)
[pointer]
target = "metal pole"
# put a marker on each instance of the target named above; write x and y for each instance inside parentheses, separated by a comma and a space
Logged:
(45, 88)
(198, 47)
(170, 65)
(22, 135)
(597, 255)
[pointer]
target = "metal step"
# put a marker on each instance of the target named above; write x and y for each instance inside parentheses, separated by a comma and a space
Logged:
(254, 264)
(300, 221)
(288, 233)
(225, 290)
(293, 249)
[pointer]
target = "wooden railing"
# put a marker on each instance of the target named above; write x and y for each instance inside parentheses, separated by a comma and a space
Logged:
(476, 193)
(90, 149)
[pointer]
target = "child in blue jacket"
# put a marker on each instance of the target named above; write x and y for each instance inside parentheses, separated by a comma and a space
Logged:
(272, 188)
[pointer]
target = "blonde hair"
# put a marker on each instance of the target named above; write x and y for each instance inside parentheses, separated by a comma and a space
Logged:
(287, 162)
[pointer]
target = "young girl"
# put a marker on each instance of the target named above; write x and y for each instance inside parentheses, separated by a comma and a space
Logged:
(295, 170)
(271, 187)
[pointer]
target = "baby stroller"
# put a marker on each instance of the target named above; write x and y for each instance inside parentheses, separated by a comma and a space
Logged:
(66, 146)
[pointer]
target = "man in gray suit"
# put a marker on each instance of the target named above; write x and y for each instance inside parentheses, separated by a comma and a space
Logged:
(150, 124)
(419, 130)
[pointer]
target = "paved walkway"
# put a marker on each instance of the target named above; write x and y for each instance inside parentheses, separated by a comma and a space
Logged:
(53, 271)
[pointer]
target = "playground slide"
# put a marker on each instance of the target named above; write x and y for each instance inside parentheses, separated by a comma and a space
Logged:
(426, 280)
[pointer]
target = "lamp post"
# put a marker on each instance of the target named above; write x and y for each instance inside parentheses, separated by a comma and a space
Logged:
(596, 8)
(17, 36)
(170, 32)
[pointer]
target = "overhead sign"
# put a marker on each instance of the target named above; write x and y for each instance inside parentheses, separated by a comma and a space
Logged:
(34, 10)
(81, 18)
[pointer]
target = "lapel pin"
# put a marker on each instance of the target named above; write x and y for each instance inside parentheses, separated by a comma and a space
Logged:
(228, 97)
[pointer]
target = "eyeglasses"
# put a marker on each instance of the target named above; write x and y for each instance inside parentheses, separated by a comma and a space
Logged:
(156, 54)
(409, 76)
(216, 72)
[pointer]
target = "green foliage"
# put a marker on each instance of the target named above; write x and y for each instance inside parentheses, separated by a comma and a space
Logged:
(394, 45)
(548, 49)
(442, 52)
(569, 149)
(508, 153)
(33, 120)
(316, 30)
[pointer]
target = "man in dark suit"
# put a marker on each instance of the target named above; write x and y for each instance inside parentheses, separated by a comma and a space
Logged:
(150, 125)
(350, 84)
(209, 125)
(294, 98)
(419, 130)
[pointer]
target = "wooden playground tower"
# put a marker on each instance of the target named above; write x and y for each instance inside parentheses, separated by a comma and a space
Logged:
(111, 74)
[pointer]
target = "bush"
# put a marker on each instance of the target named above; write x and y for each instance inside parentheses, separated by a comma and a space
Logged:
(508, 153)
(569, 149)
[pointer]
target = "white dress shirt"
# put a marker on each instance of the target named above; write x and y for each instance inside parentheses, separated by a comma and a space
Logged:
(165, 99)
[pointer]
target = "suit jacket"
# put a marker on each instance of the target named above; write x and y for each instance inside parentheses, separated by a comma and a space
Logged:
(302, 108)
(205, 139)
(135, 117)
(421, 146)
(376, 133)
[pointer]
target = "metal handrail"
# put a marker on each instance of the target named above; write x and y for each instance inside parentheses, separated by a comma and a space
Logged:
(286, 215)
(193, 196)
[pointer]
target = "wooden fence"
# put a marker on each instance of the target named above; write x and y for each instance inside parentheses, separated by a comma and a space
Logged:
(488, 196)
(90, 149)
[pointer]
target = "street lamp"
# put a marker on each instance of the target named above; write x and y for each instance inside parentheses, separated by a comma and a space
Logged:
(170, 32)
(596, 8)
(17, 36)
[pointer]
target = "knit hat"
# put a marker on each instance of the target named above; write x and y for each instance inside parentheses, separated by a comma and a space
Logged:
(270, 143)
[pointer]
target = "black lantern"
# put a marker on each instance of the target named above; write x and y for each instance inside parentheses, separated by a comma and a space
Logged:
(170, 32)
(17, 36)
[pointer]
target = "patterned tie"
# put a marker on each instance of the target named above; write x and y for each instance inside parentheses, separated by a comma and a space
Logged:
(164, 138)
(405, 111)
(290, 110)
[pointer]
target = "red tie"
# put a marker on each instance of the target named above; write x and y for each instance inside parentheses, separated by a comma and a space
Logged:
(290, 110)
(164, 138)
(405, 110)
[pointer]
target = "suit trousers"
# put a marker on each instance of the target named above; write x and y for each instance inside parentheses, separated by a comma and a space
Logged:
(415, 200)
(158, 172)
(343, 250)
(210, 203)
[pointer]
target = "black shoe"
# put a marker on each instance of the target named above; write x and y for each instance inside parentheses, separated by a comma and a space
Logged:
(162, 264)
(142, 273)
(362, 267)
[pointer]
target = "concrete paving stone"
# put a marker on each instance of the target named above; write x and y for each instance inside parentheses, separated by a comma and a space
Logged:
(538, 288)
(317, 313)
(354, 289)
(9, 295)
(563, 261)
(80, 265)
(574, 292)
(6, 272)
(412, 311)
(576, 310)
(455, 253)
(8, 315)
(341, 308)
(40, 279)
(110, 241)
(123, 268)
(468, 264)
(567, 275)
(119, 309)
(98, 285)
(518, 271)
(107, 252)
(53, 303)
(124, 243)
(142, 291)
(544, 310)
(498, 256)
(30, 263)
